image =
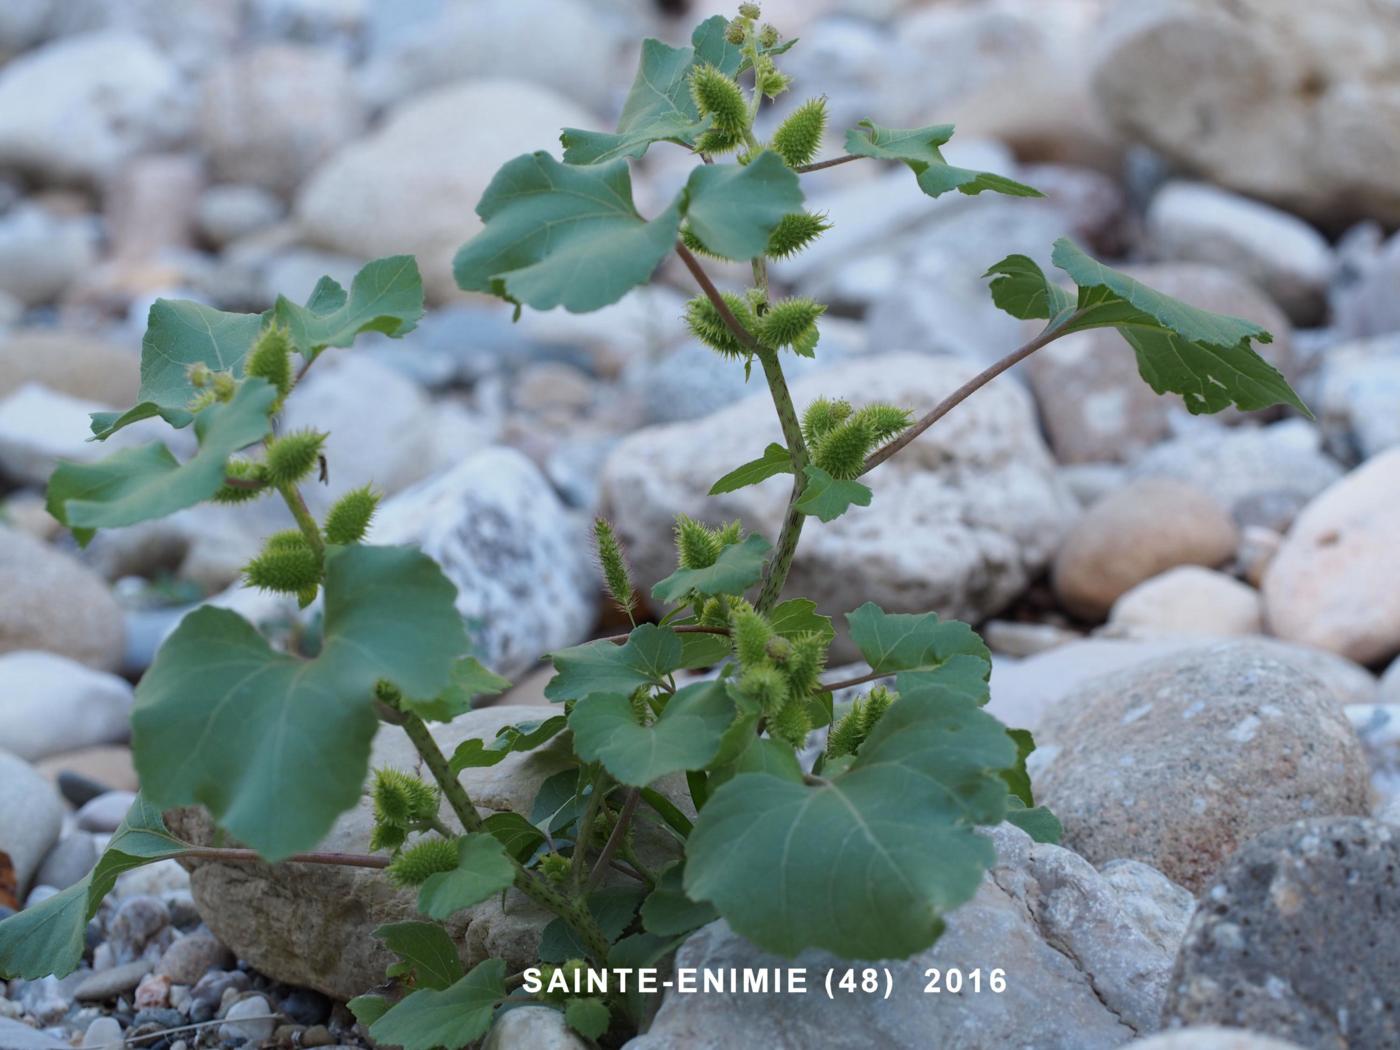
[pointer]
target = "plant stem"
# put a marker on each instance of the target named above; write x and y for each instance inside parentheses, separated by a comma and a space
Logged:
(823, 164)
(619, 832)
(707, 286)
(962, 393)
(685, 628)
(291, 495)
(846, 683)
(585, 828)
(249, 856)
(775, 573)
(572, 911)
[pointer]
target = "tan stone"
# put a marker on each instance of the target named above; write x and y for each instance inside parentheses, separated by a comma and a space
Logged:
(1188, 600)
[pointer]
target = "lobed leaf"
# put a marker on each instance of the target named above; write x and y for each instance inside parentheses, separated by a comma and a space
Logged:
(449, 1017)
(687, 735)
(589, 1016)
(483, 870)
(668, 912)
(738, 568)
(918, 148)
(646, 658)
(828, 498)
(774, 461)
(893, 642)
(223, 720)
(427, 950)
(470, 679)
(385, 296)
(526, 736)
(734, 208)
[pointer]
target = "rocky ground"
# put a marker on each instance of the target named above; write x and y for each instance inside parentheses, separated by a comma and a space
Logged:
(1197, 616)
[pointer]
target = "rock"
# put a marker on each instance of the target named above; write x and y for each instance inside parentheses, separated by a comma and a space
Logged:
(1281, 254)
(137, 921)
(30, 820)
(113, 94)
(1095, 404)
(150, 206)
(1335, 582)
(1025, 639)
(69, 861)
(1133, 534)
(152, 995)
(102, 985)
(521, 563)
(208, 992)
(252, 135)
(1178, 760)
(1289, 941)
(54, 704)
(39, 427)
(106, 812)
(532, 1028)
(314, 928)
(1362, 303)
(1187, 600)
(226, 213)
(503, 38)
(1089, 951)
(1377, 726)
(69, 362)
(103, 1033)
(14, 1035)
(190, 957)
(1263, 475)
(54, 603)
(42, 253)
(1210, 1037)
(248, 1020)
(84, 774)
(412, 185)
(1291, 102)
(1358, 395)
(961, 520)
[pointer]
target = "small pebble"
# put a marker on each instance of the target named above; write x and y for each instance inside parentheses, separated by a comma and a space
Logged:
(137, 920)
(317, 1035)
(101, 985)
(103, 1032)
(207, 996)
(306, 1007)
(248, 1020)
(78, 789)
(153, 992)
(106, 811)
(69, 861)
(162, 1018)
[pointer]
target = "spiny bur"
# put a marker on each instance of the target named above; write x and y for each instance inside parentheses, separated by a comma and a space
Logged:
(719, 98)
(883, 421)
(751, 633)
(403, 800)
(287, 570)
(768, 81)
(800, 136)
(386, 837)
(841, 453)
(293, 456)
(765, 684)
(223, 385)
(804, 666)
(750, 11)
(794, 232)
(614, 566)
(714, 141)
(696, 546)
(768, 35)
(417, 864)
(555, 867)
(710, 328)
(791, 724)
(822, 417)
(786, 321)
(350, 515)
(271, 359)
(242, 470)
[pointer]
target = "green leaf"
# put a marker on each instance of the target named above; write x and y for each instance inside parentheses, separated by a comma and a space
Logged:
(963, 675)
(863, 864)
(668, 911)
(1036, 821)
(704, 650)
(470, 679)
(147, 482)
(774, 461)
(827, 497)
(105, 424)
(918, 148)
(658, 107)
(515, 833)
(893, 642)
(49, 937)
(686, 736)
(426, 949)
(612, 907)
(799, 616)
(738, 567)
(1205, 357)
(734, 208)
(526, 736)
(385, 296)
(588, 1016)
(667, 811)
(646, 658)
(369, 1008)
(449, 1017)
(223, 720)
(483, 869)
(555, 234)
(1017, 779)
(557, 802)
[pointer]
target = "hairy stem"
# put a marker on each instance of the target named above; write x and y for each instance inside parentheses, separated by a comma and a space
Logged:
(846, 683)
(823, 164)
(291, 495)
(775, 573)
(685, 628)
(619, 832)
(249, 856)
(962, 393)
(707, 286)
(585, 828)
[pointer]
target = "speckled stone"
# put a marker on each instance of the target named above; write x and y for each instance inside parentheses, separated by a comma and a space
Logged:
(1178, 760)
(1212, 1037)
(1295, 938)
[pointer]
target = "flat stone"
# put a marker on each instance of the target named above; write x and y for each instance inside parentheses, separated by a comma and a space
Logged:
(15, 1035)
(102, 985)
(54, 704)
(54, 603)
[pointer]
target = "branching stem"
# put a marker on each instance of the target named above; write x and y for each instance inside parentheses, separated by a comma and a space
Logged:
(619, 832)
(291, 495)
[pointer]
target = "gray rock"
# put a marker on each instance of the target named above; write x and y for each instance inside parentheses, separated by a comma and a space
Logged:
(248, 1020)
(1263, 475)
(113, 94)
(208, 993)
(137, 921)
(226, 213)
(1290, 938)
(71, 362)
(1211, 1037)
(1177, 761)
(1086, 954)
(1362, 299)
(39, 426)
(532, 1028)
(42, 253)
(101, 985)
(252, 135)
(1287, 258)
(525, 582)
(1358, 395)
(961, 520)
(106, 812)
(1095, 404)
(190, 957)
(31, 818)
(15, 1035)
(103, 1033)
(69, 861)
(54, 704)
(1187, 600)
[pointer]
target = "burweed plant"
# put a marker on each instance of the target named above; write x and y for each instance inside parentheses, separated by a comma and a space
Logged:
(860, 852)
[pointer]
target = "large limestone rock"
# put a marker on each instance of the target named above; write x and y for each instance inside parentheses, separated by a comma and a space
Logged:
(313, 925)
(1086, 954)
(960, 522)
(1292, 938)
(1292, 101)
(49, 601)
(413, 185)
(53, 705)
(1335, 582)
(1176, 761)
